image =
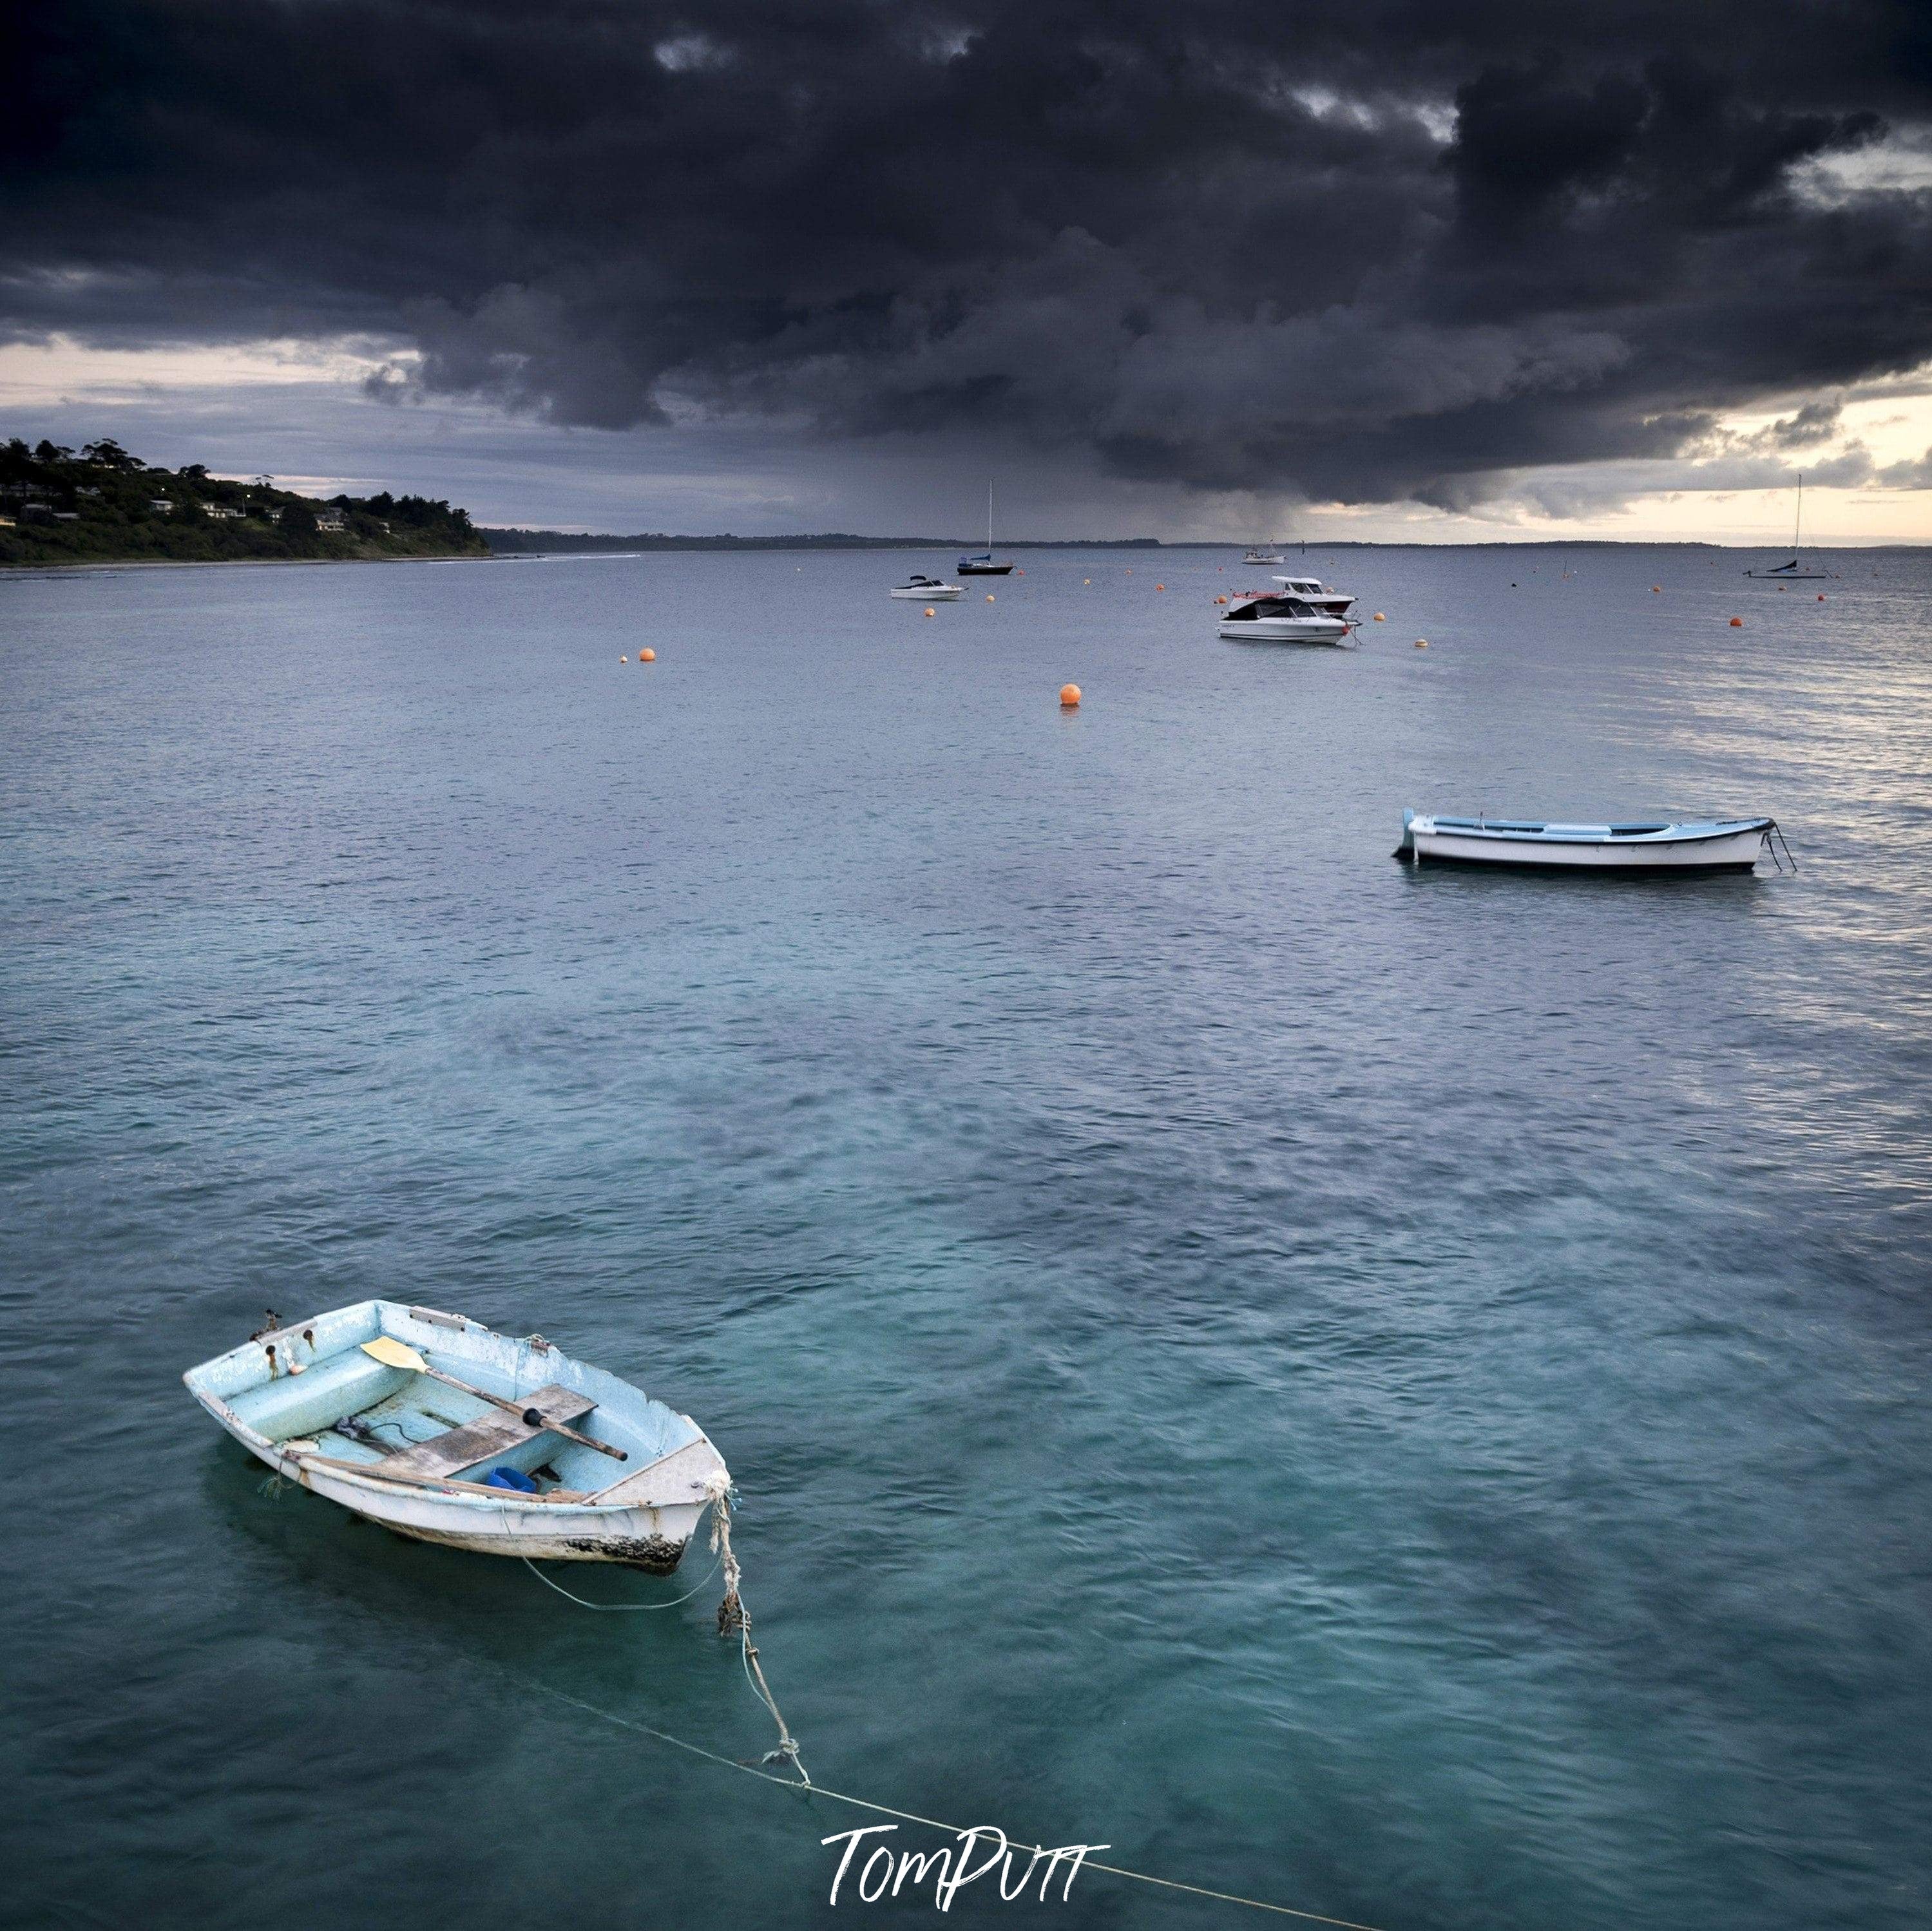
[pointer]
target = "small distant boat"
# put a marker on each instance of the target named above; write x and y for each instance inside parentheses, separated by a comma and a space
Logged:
(1794, 572)
(1634, 850)
(1260, 554)
(983, 565)
(1270, 616)
(927, 589)
(444, 1430)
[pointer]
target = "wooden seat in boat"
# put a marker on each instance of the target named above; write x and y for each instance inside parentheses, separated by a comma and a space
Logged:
(490, 1435)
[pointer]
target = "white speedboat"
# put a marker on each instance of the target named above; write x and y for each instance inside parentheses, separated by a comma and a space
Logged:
(1634, 850)
(1313, 590)
(442, 1430)
(1261, 554)
(927, 590)
(1269, 616)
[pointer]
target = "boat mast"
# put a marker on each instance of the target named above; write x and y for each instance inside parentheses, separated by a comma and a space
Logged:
(989, 522)
(1797, 522)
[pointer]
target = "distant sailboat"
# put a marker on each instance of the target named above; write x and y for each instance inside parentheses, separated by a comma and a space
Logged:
(982, 565)
(1794, 572)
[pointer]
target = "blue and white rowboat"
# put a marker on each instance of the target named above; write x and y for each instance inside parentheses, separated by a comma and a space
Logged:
(1719, 844)
(487, 1442)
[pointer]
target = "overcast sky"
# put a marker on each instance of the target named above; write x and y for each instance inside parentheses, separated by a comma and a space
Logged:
(1363, 267)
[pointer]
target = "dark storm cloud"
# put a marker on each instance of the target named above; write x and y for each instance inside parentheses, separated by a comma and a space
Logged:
(1359, 251)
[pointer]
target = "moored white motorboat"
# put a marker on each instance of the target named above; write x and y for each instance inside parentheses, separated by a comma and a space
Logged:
(1313, 590)
(927, 589)
(1257, 616)
(488, 1443)
(1261, 553)
(1712, 845)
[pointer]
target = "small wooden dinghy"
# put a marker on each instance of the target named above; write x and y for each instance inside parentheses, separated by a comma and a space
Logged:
(440, 1428)
(1634, 850)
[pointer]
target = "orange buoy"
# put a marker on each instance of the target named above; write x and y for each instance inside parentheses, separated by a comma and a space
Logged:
(1019, 573)
(1656, 589)
(989, 596)
(1821, 596)
(1737, 623)
(1380, 619)
(1422, 643)
(930, 611)
(1160, 587)
(1069, 696)
(647, 657)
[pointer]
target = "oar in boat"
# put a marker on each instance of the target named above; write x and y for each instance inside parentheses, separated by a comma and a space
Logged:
(394, 1354)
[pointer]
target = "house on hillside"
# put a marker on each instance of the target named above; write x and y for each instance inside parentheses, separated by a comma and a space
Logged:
(223, 512)
(333, 521)
(161, 505)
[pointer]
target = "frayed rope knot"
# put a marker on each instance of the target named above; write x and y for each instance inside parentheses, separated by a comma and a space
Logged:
(735, 1620)
(732, 1619)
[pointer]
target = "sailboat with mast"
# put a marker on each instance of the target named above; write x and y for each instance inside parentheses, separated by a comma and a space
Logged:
(1794, 572)
(982, 565)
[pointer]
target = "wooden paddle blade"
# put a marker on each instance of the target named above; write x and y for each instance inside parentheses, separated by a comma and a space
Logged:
(394, 1354)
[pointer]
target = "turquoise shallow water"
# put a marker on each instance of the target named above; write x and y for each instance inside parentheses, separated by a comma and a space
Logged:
(1403, 1395)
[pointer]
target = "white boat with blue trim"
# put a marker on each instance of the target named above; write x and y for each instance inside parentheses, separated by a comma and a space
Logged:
(1634, 850)
(444, 1430)
(918, 589)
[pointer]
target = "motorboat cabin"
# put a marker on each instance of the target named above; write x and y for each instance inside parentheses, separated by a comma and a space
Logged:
(1313, 590)
(1267, 617)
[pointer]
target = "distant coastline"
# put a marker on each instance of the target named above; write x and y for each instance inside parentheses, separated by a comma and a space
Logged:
(513, 542)
(104, 508)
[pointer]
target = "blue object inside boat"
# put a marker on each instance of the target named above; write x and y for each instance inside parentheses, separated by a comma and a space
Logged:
(510, 1478)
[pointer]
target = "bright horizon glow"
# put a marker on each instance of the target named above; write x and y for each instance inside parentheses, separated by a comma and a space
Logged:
(304, 411)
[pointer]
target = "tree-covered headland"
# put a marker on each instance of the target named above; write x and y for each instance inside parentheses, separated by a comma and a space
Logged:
(100, 504)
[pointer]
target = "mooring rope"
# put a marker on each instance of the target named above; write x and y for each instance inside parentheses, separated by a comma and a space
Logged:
(615, 1608)
(933, 1823)
(734, 1619)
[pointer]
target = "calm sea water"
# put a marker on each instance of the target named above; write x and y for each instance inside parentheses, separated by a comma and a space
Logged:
(1402, 1395)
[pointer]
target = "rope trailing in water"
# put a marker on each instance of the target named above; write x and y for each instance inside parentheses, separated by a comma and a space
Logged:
(933, 1823)
(615, 1608)
(734, 1619)
(1777, 831)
